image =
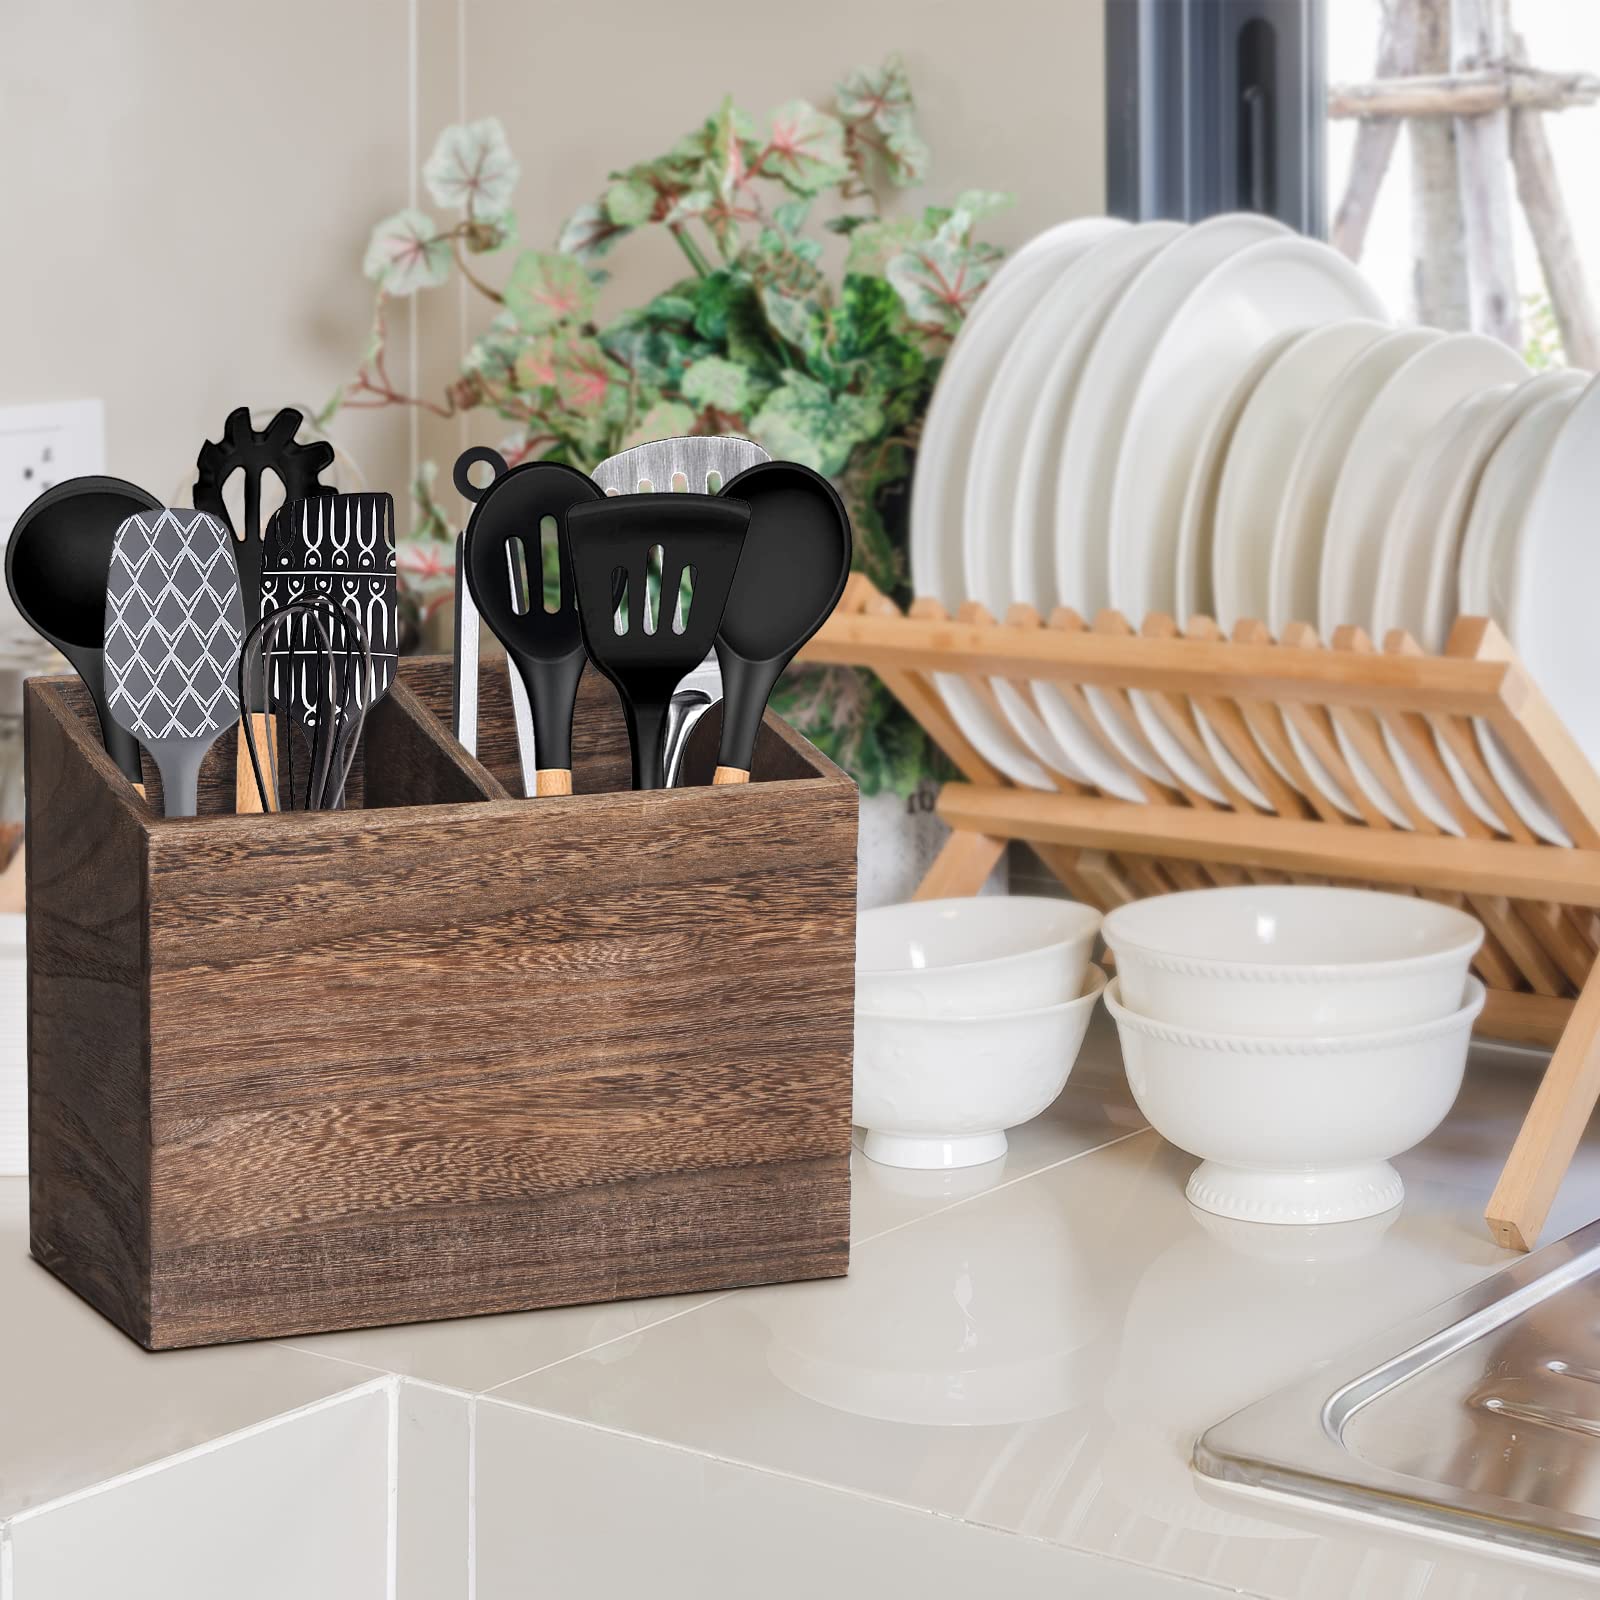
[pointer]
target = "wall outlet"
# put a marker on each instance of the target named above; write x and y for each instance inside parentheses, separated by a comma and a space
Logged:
(40, 445)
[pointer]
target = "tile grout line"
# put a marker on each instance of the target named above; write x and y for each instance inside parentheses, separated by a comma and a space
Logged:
(392, 1528)
(349, 1361)
(616, 1338)
(870, 1238)
(871, 1497)
(150, 1468)
(1010, 1183)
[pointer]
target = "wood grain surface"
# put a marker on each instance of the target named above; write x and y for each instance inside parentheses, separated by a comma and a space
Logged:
(454, 1053)
(88, 1057)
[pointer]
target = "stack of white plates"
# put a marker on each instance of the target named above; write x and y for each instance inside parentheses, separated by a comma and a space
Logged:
(13, 1048)
(1217, 420)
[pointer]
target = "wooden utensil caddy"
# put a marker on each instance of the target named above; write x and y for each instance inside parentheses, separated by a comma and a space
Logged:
(1538, 902)
(446, 1052)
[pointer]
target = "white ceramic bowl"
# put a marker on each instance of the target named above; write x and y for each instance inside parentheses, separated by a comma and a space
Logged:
(1296, 1130)
(1291, 959)
(941, 1091)
(980, 956)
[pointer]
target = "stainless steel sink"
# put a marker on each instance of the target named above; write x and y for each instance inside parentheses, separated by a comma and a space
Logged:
(1481, 1416)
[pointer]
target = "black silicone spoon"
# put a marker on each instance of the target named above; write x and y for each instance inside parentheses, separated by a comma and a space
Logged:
(503, 549)
(646, 650)
(57, 561)
(795, 564)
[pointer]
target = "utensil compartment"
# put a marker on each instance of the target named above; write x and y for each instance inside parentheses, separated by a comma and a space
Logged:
(446, 1052)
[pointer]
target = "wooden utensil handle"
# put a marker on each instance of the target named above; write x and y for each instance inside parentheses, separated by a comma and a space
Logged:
(729, 775)
(553, 780)
(247, 797)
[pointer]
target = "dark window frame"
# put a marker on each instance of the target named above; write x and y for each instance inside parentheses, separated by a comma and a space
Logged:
(1216, 105)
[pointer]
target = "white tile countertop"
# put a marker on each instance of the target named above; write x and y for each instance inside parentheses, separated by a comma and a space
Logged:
(1009, 1384)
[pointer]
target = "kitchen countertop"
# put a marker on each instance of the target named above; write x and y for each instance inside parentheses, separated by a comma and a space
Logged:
(1013, 1373)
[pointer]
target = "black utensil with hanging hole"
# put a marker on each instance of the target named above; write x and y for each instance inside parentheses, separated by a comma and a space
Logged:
(58, 559)
(522, 584)
(614, 547)
(795, 564)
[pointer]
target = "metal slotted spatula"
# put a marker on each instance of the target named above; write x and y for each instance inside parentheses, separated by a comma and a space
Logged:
(530, 602)
(643, 642)
(174, 628)
(686, 464)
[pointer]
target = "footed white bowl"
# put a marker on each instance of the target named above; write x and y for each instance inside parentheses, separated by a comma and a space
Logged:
(973, 957)
(1291, 959)
(1295, 1130)
(941, 1091)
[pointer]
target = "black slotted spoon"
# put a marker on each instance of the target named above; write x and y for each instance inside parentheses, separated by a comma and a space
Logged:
(543, 639)
(646, 653)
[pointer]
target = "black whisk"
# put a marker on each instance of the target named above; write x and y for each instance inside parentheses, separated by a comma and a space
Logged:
(312, 658)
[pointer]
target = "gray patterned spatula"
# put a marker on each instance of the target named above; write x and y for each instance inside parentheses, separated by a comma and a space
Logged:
(174, 626)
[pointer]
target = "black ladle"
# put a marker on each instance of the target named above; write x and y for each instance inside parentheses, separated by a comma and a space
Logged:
(794, 567)
(502, 551)
(57, 562)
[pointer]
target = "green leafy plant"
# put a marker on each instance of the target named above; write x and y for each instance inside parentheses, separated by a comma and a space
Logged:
(1541, 346)
(823, 351)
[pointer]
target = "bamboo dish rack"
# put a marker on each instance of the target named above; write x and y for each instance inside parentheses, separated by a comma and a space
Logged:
(1539, 903)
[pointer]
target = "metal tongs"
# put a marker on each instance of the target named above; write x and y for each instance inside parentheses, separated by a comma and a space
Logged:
(325, 681)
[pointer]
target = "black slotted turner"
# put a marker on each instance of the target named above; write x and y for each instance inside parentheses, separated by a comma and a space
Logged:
(544, 642)
(645, 655)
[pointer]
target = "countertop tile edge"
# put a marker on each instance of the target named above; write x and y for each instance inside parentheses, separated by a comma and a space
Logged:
(646, 1442)
(385, 1383)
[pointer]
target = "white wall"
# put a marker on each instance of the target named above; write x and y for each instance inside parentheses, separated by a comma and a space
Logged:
(189, 186)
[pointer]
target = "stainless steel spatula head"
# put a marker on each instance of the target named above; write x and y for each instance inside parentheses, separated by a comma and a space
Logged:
(174, 627)
(689, 463)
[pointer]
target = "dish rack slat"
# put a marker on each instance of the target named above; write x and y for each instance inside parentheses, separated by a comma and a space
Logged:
(1539, 903)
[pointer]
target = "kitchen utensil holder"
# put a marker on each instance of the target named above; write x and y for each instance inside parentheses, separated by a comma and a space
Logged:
(1538, 902)
(444, 1053)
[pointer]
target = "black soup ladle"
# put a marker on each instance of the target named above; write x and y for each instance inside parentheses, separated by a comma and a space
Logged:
(794, 567)
(57, 563)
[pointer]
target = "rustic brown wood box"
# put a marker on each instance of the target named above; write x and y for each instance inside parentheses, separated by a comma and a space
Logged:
(447, 1052)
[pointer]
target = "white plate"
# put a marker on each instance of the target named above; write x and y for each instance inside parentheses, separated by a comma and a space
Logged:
(1048, 346)
(1295, 562)
(1106, 392)
(1192, 566)
(1488, 562)
(1555, 576)
(1416, 584)
(1254, 298)
(939, 480)
(1405, 411)
(1027, 408)
(1255, 473)
(1415, 589)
